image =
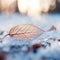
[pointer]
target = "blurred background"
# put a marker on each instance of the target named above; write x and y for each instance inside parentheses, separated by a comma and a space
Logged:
(42, 13)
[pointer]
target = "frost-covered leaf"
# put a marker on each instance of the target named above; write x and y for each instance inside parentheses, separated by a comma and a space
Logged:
(25, 31)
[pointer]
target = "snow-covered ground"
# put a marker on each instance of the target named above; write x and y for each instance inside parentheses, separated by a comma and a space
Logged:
(51, 48)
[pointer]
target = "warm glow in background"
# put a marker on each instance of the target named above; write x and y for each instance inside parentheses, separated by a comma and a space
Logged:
(35, 7)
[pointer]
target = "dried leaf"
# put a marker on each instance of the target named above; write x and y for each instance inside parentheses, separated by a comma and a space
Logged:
(25, 31)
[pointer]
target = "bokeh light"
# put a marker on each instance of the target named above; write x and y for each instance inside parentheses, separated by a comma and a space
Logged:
(35, 7)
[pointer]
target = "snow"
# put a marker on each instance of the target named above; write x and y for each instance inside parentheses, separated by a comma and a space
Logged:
(51, 51)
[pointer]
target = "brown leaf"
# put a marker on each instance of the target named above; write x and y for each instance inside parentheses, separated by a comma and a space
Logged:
(25, 31)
